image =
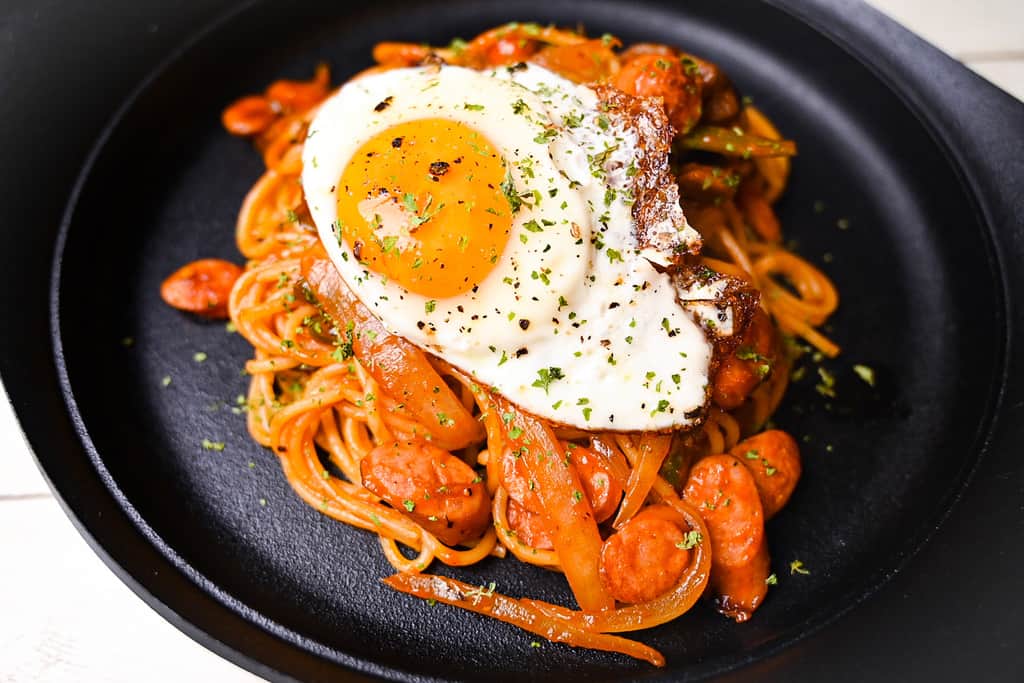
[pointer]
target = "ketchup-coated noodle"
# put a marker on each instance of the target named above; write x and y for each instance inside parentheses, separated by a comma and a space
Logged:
(328, 402)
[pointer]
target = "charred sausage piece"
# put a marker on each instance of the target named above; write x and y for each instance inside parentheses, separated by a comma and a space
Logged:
(430, 486)
(721, 106)
(705, 183)
(724, 493)
(741, 371)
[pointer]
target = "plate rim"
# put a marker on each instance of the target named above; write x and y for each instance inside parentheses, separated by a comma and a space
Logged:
(200, 634)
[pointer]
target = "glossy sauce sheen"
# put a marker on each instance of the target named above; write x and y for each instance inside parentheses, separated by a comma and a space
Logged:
(601, 489)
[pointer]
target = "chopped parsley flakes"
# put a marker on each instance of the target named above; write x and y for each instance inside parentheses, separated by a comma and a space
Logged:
(547, 376)
(480, 592)
(827, 385)
(690, 540)
(865, 373)
(508, 188)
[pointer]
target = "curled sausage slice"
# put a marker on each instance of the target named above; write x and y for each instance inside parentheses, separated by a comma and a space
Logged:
(249, 115)
(773, 457)
(645, 558)
(430, 486)
(202, 287)
(293, 96)
(724, 493)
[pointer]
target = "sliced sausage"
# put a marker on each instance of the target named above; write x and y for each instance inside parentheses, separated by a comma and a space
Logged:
(529, 526)
(741, 371)
(645, 558)
(704, 183)
(586, 62)
(297, 96)
(722, 105)
(430, 486)
(773, 457)
(601, 489)
(515, 480)
(202, 287)
(638, 49)
(510, 50)
(724, 493)
(249, 116)
(652, 75)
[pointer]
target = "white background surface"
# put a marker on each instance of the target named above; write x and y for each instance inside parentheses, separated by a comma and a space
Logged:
(65, 617)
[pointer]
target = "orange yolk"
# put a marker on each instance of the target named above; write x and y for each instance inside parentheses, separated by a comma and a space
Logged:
(421, 203)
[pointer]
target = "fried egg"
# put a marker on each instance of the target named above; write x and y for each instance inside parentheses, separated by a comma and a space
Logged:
(486, 217)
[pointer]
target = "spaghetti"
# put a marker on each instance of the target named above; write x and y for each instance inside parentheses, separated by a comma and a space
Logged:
(326, 401)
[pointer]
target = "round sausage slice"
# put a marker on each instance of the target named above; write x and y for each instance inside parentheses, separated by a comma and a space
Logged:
(202, 287)
(432, 487)
(645, 558)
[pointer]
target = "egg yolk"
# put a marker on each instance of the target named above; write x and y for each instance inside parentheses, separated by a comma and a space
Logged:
(422, 203)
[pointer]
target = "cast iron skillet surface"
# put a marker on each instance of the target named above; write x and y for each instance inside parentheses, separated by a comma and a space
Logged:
(924, 302)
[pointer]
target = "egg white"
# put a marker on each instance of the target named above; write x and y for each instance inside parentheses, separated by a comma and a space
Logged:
(574, 324)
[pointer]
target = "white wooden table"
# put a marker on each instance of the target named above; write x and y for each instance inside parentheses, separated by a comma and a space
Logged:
(65, 617)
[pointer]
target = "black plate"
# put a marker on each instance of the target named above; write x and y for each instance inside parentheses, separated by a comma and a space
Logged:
(918, 157)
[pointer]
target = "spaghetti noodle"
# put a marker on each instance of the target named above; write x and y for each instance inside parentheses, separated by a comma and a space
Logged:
(326, 401)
